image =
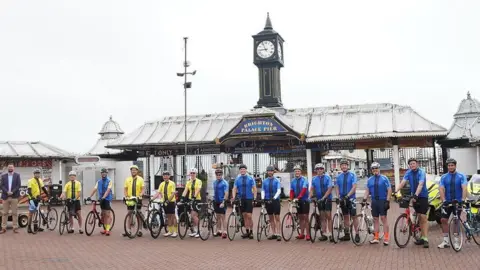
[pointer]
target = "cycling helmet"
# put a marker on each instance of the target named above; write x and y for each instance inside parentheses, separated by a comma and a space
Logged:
(319, 166)
(134, 167)
(344, 161)
(451, 160)
(270, 168)
(297, 167)
(375, 165)
(411, 159)
(193, 170)
(218, 171)
(103, 170)
(243, 166)
(36, 171)
(166, 173)
(72, 173)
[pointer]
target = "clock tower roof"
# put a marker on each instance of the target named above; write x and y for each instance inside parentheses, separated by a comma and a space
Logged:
(268, 29)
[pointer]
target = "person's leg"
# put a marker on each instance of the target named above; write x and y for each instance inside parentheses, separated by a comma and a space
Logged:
(386, 229)
(445, 215)
(14, 208)
(78, 210)
(6, 209)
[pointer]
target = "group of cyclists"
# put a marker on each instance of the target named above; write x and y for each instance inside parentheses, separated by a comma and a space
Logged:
(452, 188)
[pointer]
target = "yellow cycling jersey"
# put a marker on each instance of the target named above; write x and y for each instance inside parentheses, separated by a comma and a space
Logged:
(198, 185)
(170, 190)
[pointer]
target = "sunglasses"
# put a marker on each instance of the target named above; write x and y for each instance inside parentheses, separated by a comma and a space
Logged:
(193, 173)
(218, 173)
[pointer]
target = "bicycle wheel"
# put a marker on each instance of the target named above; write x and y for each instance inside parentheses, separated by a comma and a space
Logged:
(52, 219)
(362, 230)
(112, 216)
(131, 225)
(288, 226)
(267, 224)
(314, 227)
(455, 233)
(182, 225)
(402, 228)
(213, 223)
(260, 227)
(155, 227)
(336, 228)
(62, 222)
(90, 223)
(232, 227)
(475, 228)
(35, 224)
(205, 226)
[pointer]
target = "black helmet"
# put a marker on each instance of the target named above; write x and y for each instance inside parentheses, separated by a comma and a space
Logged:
(218, 171)
(270, 168)
(411, 159)
(103, 170)
(451, 160)
(243, 166)
(344, 161)
(166, 173)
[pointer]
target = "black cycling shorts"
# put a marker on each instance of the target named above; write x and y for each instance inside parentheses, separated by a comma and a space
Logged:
(105, 205)
(421, 206)
(378, 208)
(218, 210)
(273, 208)
(325, 206)
(447, 211)
(349, 208)
(246, 206)
(303, 208)
(170, 208)
(74, 206)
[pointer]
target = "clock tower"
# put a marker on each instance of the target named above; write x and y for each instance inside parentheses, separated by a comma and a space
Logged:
(268, 57)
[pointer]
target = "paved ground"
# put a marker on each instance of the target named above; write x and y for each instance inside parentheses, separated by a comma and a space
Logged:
(49, 249)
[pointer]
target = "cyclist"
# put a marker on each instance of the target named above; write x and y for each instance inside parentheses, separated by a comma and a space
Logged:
(71, 191)
(35, 187)
(103, 188)
(347, 187)
(166, 192)
(299, 191)
(220, 195)
(453, 187)
(193, 187)
(134, 186)
(418, 188)
(322, 187)
(271, 191)
(378, 186)
(246, 187)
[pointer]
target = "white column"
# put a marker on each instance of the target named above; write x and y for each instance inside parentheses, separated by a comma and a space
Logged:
(396, 164)
(60, 176)
(478, 158)
(153, 170)
(309, 166)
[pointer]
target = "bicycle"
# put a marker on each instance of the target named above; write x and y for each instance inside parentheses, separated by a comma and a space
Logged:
(473, 220)
(315, 221)
(135, 217)
(64, 220)
(407, 222)
(455, 229)
(208, 220)
(263, 226)
(338, 221)
(365, 225)
(235, 220)
(291, 221)
(93, 216)
(45, 219)
(158, 219)
(185, 218)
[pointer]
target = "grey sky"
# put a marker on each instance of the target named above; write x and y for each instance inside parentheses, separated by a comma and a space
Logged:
(65, 66)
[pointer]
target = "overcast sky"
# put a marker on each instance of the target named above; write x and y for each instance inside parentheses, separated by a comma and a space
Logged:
(66, 66)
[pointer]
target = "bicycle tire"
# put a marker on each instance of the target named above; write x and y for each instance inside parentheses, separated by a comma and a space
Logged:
(52, 212)
(62, 222)
(288, 237)
(131, 234)
(361, 221)
(409, 230)
(205, 219)
(156, 220)
(113, 220)
(232, 221)
(213, 222)
(268, 225)
(477, 227)
(93, 223)
(182, 232)
(35, 221)
(260, 227)
(336, 236)
(313, 227)
(461, 233)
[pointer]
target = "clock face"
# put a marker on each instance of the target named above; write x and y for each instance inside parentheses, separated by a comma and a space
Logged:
(265, 49)
(280, 51)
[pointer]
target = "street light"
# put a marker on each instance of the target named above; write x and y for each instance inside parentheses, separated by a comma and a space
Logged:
(186, 85)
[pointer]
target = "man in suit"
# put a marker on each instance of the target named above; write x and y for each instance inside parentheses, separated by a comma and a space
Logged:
(10, 192)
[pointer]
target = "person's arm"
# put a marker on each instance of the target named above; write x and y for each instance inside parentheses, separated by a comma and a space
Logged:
(225, 196)
(389, 188)
(142, 191)
(94, 190)
(78, 190)
(16, 184)
(109, 189)
(254, 189)
(185, 190)
(366, 194)
(125, 189)
(173, 191)
(464, 187)
(330, 188)
(4, 185)
(441, 189)
(401, 185)
(29, 189)
(304, 189)
(292, 190)
(312, 190)
(198, 187)
(354, 186)
(44, 188)
(234, 190)
(421, 183)
(279, 191)
(64, 191)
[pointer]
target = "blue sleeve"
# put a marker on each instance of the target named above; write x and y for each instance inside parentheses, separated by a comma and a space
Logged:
(277, 182)
(252, 182)
(422, 176)
(329, 181)
(366, 184)
(305, 183)
(226, 186)
(263, 184)
(407, 174)
(442, 181)
(236, 183)
(387, 182)
(354, 180)
(292, 186)
(464, 179)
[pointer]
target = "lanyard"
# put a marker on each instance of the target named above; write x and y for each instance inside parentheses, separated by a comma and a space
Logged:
(345, 180)
(298, 186)
(244, 183)
(415, 180)
(73, 190)
(165, 191)
(271, 188)
(134, 187)
(452, 186)
(375, 187)
(192, 188)
(322, 185)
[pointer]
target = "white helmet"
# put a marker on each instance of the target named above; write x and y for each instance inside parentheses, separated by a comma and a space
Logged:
(319, 166)
(375, 165)
(72, 173)
(193, 170)
(297, 167)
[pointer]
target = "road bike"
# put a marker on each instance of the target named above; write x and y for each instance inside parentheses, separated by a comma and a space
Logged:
(207, 221)
(338, 220)
(291, 221)
(40, 219)
(136, 218)
(263, 227)
(235, 223)
(407, 224)
(365, 225)
(94, 216)
(64, 221)
(458, 227)
(315, 221)
(157, 219)
(473, 220)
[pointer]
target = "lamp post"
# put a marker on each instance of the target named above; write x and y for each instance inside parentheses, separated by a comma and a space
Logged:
(186, 85)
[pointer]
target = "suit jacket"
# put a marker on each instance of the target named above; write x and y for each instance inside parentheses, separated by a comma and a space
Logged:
(16, 183)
